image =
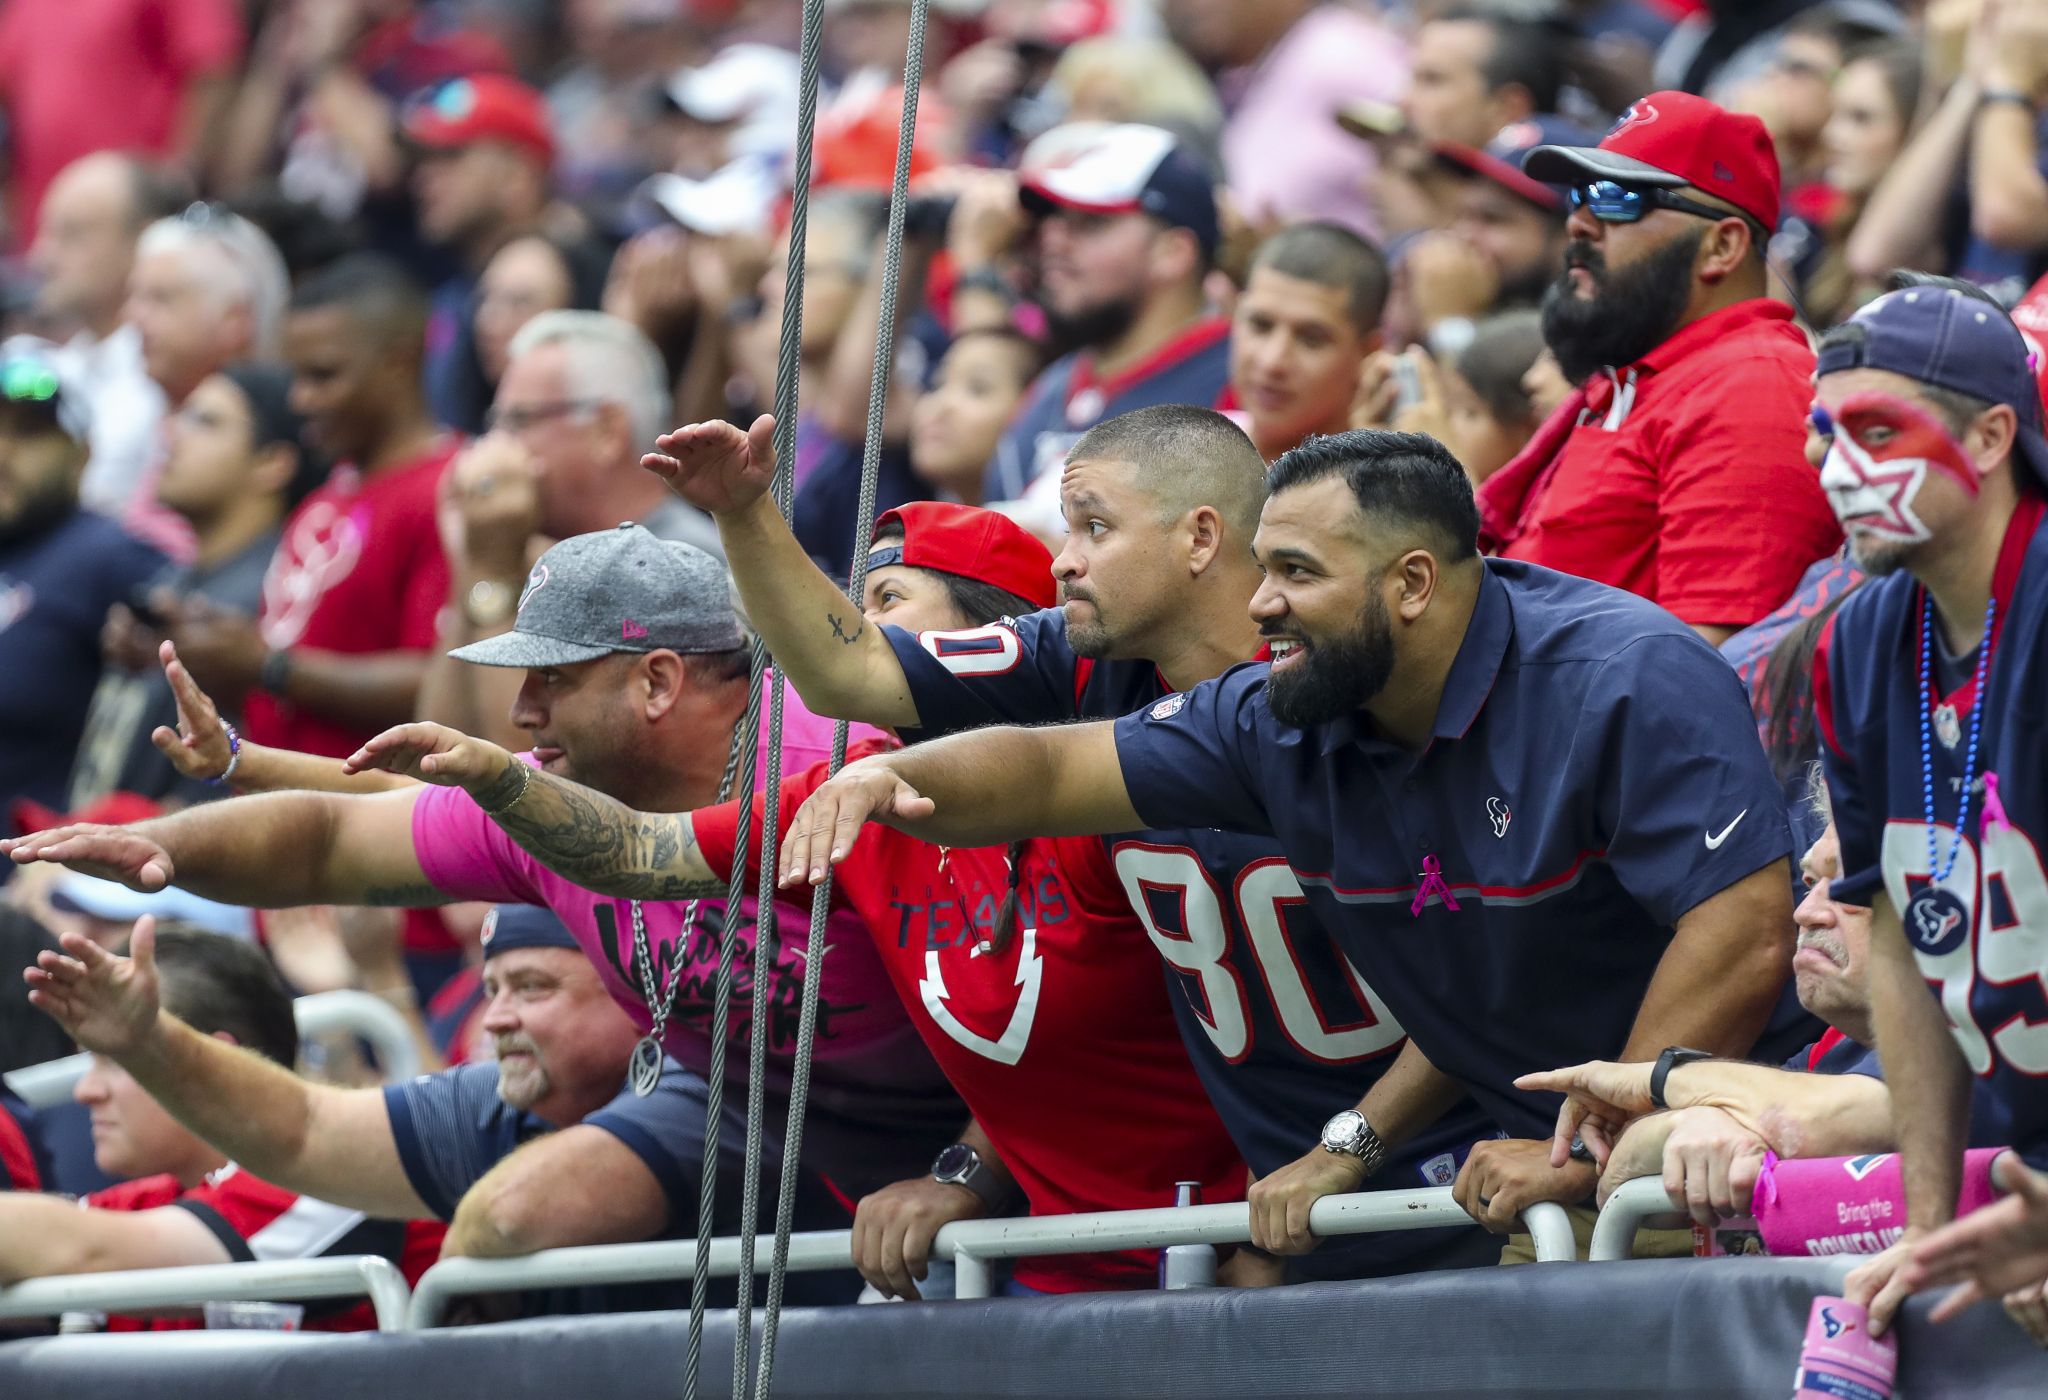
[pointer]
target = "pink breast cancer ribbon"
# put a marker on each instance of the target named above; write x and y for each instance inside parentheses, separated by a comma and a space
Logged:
(1432, 883)
(1994, 810)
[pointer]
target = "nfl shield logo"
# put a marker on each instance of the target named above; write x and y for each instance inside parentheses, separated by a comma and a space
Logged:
(1169, 707)
(1947, 726)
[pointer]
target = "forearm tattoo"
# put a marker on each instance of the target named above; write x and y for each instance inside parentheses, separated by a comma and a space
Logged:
(604, 845)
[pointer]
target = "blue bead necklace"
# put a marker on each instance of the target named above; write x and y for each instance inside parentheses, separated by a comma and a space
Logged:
(1940, 869)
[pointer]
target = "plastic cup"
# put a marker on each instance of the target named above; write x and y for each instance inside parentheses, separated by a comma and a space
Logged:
(256, 1317)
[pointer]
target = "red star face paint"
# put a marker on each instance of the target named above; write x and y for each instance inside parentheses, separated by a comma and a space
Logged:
(1883, 451)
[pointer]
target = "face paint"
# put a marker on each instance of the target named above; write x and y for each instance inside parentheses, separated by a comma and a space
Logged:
(1881, 451)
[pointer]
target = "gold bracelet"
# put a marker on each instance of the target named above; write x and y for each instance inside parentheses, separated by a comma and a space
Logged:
(525, 778)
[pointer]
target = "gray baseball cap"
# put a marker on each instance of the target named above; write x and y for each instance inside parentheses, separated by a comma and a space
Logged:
(615, 590)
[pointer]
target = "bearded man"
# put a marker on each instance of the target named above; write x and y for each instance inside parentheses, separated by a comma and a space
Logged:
(1677, 469)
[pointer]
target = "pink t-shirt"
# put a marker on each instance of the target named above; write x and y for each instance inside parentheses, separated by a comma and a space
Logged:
(869, 1068)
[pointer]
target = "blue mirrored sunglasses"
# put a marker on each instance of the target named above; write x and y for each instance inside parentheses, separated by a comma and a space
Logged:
(1614, 203)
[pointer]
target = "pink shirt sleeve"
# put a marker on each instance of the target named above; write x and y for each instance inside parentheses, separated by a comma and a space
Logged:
(464, 854)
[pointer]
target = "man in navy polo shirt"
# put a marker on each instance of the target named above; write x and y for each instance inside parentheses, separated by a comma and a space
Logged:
(1929, 686)
(1532, 809)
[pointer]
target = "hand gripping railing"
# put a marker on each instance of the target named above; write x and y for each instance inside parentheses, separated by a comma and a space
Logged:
(972, 1245)
(270, 1281)
(322, 1013)
(1636, 1205)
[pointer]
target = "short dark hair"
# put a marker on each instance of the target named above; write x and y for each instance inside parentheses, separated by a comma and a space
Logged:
(214, 983)
(376, 290)
(712, 668)
(1184, 457)
(1527, 53)
(1502, 350)
(979, 602)
(1410, 477)
(1330, 255)
(27, 1037)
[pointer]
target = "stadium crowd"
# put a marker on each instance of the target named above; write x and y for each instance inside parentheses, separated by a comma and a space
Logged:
(1459, 597)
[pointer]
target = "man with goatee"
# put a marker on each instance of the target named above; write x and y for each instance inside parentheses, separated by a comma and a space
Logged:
(1677, 469)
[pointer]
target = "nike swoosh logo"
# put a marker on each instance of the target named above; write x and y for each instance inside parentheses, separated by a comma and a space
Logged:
(1714, 842)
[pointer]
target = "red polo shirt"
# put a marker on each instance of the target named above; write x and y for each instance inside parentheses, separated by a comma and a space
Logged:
(1685, 480)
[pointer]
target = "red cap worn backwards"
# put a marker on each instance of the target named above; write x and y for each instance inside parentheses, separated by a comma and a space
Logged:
(979, 544)
(1673, 138)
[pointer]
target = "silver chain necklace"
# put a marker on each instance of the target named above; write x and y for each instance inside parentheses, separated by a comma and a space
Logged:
(644, 1072)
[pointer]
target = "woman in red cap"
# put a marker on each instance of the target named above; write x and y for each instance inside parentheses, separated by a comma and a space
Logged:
(1023, 967)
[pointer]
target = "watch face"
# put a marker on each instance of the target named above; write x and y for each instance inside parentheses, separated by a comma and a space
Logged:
(953, 1162)
(1343, 1130)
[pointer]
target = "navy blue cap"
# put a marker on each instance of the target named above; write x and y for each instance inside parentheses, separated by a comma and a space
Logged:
(510, 926)
(1501, 159)
(1951, 340)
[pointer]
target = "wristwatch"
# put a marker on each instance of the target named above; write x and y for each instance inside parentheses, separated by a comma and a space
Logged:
(1348, 1133)
(489, 603)
(961, 1165)
(1671, 1059)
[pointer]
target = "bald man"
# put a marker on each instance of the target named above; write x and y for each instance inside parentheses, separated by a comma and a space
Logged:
(94, 211)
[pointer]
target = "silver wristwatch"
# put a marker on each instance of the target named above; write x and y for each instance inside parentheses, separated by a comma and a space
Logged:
(961, 1165)
(1349, 1133)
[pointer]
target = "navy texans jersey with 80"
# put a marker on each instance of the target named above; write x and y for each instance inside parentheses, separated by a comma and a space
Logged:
(1281, 1028)
(1593, 774)
(1980, 936)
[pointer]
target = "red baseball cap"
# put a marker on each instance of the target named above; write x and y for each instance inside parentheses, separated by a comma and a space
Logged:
(480, 107)
(1674, 138)
(983, 545)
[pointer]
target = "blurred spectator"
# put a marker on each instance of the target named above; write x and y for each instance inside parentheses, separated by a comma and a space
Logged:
(1475, 71)
(1501, 244)
(1127, 228)
(611, 70)
(584, 396)
(187, 1203)
(1119, 79)
(1725, 44)
(25, 1037)
(531, 274)
(741, 103)
(1480, 405)
(485, 150)
(83, 252)
(958, 422)
(234, 471)
(61, 568)
(1283, 67)
(1301, 331)
(1688, 426)
(338, 648)
(1873, 102)
(1794, 94)
(145, 76)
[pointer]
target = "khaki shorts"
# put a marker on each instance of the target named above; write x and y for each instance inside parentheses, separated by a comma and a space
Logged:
(1650, 1244)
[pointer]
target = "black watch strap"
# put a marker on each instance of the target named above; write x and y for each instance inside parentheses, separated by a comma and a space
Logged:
(1672, 1057)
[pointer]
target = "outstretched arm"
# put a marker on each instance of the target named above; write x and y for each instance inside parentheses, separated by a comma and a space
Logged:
(842, 667)
(597, 841)
(49, 1236)
(976, 789)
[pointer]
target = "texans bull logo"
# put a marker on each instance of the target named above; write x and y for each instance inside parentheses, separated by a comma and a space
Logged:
(1497, 812)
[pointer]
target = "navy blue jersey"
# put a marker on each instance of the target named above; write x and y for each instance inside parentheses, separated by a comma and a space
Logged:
(1981, 935)
(1593, 775)
(1281, 1028)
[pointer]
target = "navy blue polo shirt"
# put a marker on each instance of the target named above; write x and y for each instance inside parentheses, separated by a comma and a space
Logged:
(1593, 774)
(1980, 937)
(1280, 1027)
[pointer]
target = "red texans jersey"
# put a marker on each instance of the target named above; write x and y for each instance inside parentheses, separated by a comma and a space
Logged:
(1063, 1045)
(255, 1220)
(1979, 935)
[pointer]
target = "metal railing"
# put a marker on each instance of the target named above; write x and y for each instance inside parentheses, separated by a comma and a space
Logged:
(323, 1013)
(972, 1245)
(269, 1281)
(1637, 1205)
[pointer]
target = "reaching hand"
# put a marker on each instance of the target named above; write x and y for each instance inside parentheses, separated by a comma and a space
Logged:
(1601, 1097)
(105, 1002)
(488, 507)
(199, 747)
(119, 853)
(434, 753)
(893, 1230)
(1281, 1200)
(1881, 1284)
(829, 822)
(1993, 1251)
(714, 466)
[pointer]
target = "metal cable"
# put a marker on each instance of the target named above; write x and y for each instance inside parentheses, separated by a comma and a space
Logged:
(765, 933)
(863, 537)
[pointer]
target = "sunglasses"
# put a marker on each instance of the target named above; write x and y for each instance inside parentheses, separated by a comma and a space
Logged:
(1614, 203)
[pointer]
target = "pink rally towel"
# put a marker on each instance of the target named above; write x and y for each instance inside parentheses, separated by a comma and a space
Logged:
(1848, 1205)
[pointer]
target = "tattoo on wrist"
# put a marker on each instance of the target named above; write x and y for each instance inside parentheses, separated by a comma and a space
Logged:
(503, 792)
(845, 637)
(608, 847)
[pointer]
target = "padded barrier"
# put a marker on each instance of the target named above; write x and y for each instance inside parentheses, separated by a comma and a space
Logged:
(1680, 1327)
